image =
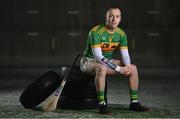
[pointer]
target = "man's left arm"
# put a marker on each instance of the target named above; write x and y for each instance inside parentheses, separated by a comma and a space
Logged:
(125, 56)
(124, 49)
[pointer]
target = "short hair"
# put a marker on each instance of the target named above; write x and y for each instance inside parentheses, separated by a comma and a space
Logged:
(112, 7)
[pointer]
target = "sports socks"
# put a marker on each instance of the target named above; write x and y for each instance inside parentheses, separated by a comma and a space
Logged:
(100, 95)
(133, 96)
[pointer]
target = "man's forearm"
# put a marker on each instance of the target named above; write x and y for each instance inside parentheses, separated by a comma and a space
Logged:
(125, 56)
(98, 55)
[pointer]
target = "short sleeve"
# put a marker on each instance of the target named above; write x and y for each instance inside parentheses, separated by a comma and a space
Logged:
(94, 39)
(123, 41)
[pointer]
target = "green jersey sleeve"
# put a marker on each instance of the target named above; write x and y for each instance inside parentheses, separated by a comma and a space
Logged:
(123, 40)
(94, 39)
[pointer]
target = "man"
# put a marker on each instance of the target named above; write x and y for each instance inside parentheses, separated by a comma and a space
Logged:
(97, 59)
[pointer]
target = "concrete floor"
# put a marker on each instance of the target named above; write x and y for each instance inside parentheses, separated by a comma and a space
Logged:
(153, 92)
(157, 89)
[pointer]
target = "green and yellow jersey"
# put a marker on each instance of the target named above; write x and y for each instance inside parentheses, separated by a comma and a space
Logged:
(99, 36)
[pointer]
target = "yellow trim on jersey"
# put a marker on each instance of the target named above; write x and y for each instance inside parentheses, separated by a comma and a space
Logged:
(95, 46)
(123, 47)
(115, 44)
(120, 31)
(110, 32)
(102, 30)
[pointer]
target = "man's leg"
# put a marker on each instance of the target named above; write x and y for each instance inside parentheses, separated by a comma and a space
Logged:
(133, 85)
(100, 79)
(99, 70)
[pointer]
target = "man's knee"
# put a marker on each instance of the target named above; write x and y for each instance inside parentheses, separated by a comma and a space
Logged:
(134, 70)
(102, 69)
(133, 67)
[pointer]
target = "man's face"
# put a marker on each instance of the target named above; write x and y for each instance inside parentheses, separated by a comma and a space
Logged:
(113, 17)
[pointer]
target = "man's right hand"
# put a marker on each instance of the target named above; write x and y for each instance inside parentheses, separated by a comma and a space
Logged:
(126, 70)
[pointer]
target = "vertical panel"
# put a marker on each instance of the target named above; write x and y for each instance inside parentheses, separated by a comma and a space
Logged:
(32, 42)
(137, 45)
(58, 13)
(32, 47)
(6, 45)
(133, 13)
(173, 13)
(30, 13)
(67, 44)
(175, 48)
(78, 12)
(6, 13)
(85, 8)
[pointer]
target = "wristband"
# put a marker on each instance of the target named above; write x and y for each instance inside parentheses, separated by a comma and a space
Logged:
(111, 65)
(117, 68)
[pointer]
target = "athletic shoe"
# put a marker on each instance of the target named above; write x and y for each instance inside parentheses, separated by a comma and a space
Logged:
(138, 107)
(103, 110)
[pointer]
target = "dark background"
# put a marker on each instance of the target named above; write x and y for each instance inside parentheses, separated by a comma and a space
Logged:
(41, 33)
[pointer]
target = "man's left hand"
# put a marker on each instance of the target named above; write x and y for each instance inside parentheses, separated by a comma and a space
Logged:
(128, 70)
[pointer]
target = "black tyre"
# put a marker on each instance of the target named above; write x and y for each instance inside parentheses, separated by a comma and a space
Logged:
(79, 85)
(79, 91)
(69, 103)
(40, 89)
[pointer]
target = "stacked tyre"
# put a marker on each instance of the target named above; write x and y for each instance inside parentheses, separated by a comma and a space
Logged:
(79, 91)
(40, 89)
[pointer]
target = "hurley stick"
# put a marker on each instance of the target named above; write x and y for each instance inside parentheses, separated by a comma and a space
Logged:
(51, 103)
